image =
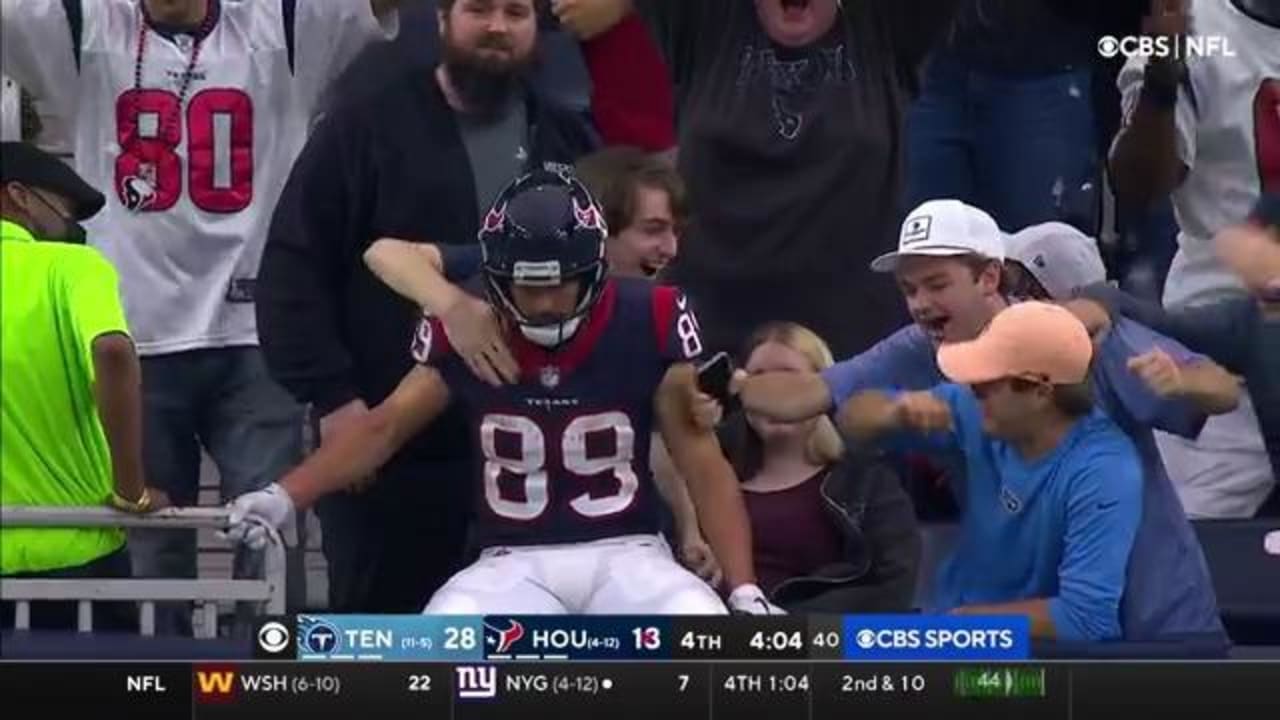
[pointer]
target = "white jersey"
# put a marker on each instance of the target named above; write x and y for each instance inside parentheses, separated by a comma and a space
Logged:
(191, 175)
(10, 110)
(1228, 137)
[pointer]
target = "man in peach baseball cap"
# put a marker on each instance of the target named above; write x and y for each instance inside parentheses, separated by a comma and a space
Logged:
(1054, 489)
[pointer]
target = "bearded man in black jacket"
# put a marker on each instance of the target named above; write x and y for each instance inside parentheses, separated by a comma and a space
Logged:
(417, 156)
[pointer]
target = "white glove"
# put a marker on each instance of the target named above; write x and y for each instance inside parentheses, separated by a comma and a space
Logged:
(254, 514)
(750, 600)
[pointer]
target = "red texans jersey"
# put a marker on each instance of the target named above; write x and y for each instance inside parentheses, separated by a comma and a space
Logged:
(566, 450)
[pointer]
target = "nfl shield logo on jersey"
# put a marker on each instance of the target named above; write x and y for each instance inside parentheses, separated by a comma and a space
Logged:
(549, 376)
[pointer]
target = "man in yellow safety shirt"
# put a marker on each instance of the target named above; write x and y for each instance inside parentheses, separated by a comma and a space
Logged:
(71, 421)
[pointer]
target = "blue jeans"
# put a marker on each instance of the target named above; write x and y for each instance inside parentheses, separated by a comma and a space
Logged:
(1022, 148)
(224, 401)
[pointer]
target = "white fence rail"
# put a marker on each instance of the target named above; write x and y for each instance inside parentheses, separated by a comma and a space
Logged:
(269, 590)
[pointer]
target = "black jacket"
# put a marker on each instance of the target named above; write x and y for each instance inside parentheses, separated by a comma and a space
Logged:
(865, 499)
(392, 163)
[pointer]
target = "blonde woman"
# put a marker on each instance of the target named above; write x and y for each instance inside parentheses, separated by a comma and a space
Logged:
(832, 531)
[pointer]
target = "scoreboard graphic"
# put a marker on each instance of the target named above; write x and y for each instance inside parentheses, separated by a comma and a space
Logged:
(647, 668)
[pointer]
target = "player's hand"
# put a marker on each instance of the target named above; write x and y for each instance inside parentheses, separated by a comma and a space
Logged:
(588, 18)
(254, 515)
(707, 411)
(1091, 314)
(923, 412)
(1160, 372)
(334, 422)
(696, 555)
(750, 600)
(476, 332)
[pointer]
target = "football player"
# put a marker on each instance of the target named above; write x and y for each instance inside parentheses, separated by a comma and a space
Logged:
(644, 205)
(567, 511)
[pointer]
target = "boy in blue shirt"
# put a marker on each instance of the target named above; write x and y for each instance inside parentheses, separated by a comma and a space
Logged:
(949, 267)
(1054, 495)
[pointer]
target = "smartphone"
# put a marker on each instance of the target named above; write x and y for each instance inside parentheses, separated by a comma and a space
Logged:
(714, 376)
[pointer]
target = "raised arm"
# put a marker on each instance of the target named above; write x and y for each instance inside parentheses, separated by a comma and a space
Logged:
(1153, 149)
(418, 272)
(415, 271)
(782, 396)
(872, 415)
(1219, 330)
(713, 486)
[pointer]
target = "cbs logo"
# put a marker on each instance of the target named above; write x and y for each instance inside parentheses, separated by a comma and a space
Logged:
(273, 637)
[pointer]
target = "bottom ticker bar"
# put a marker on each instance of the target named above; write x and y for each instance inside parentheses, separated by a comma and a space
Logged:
(646, 690)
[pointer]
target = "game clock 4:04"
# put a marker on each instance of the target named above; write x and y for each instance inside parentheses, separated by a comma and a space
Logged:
(777, 641)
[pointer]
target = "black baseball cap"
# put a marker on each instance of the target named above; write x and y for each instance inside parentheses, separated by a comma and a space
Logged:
(25, 163)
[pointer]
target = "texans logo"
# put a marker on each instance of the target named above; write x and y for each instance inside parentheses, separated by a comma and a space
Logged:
(508, 637)
(137, 193)
(495, 219)
(588, 217)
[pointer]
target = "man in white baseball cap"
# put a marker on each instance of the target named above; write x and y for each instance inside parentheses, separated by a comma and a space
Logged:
(1051, 261)
(944, 228)
(948, 264)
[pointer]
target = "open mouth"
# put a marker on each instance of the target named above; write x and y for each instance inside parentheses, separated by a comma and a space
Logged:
(794, 9)
(651, 268)
(935, 328)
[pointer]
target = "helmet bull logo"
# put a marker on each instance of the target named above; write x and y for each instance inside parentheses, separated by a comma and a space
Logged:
(588, 217)
(495, 219)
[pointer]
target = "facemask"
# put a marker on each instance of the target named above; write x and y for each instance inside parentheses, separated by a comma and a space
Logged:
(72, 231)
(549, 336)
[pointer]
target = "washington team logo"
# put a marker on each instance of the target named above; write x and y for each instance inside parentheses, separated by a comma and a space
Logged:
(503, 639)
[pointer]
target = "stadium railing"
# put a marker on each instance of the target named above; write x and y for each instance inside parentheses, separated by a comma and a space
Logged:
(268, 590)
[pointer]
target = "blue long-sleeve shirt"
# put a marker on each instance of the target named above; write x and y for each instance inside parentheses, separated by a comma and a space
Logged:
(1233, 332)
(1169, 590)
(1060, 527)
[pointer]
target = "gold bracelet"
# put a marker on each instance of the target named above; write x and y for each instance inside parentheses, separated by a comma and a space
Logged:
(140, 505)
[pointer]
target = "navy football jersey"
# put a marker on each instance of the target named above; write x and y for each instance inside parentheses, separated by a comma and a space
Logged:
(565, 452)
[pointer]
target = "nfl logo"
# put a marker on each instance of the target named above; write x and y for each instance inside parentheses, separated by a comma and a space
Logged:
(550, 376)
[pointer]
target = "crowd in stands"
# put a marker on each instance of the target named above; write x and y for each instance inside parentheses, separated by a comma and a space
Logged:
(972, 271)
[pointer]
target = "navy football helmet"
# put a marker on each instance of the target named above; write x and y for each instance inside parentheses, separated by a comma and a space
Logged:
(544, 229)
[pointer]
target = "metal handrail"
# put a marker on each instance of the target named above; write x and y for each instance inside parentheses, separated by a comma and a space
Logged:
(269, 589)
